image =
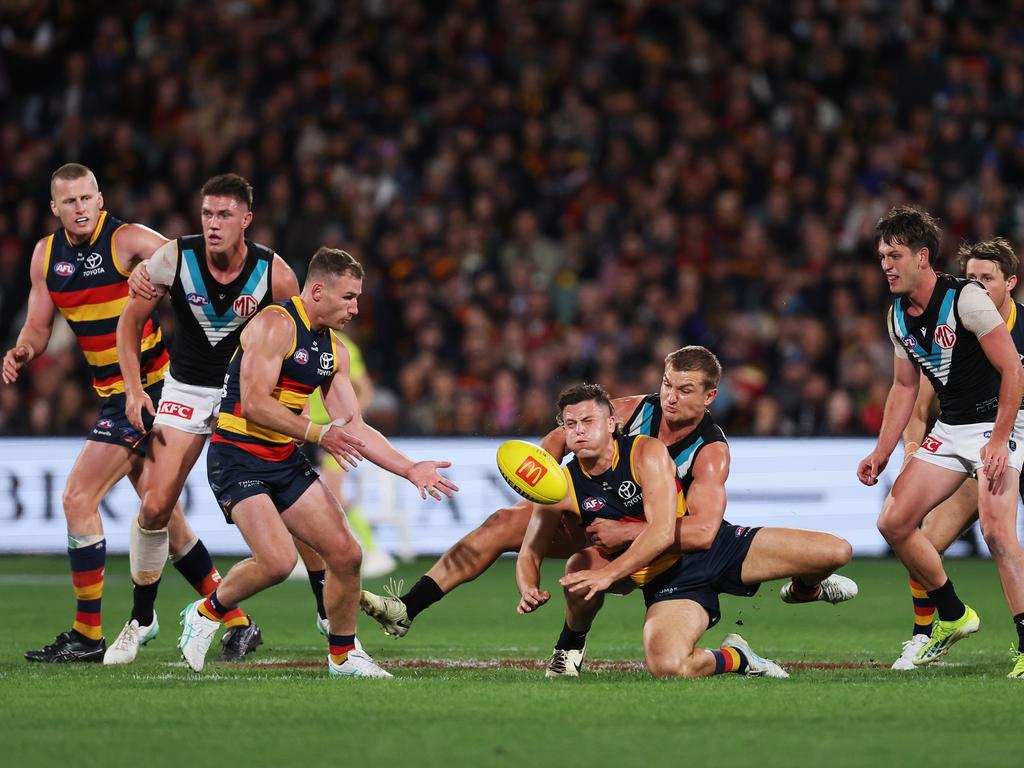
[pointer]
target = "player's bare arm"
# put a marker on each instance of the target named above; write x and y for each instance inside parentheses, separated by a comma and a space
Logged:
(655, 473)
(898, 407)
(999, 349)
(917, 427)
(133, 245)
(544, 522)
(284, 283)
(35, 334)
(342, 406)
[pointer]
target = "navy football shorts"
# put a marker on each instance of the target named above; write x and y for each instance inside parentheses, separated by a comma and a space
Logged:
(236, 474)
(113, 427)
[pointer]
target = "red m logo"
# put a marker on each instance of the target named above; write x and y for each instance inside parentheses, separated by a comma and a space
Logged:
(531, 471)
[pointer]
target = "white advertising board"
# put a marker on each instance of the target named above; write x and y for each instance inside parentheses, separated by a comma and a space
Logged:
(795, 483)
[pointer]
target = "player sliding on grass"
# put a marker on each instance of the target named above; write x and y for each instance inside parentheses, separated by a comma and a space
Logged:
(950, 330)
(612, 477)
(677, 415)
(267, 487)
(993, 264)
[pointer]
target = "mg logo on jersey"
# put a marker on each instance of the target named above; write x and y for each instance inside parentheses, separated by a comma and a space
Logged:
(930, 444)
(593, 503)
(627, 490)
(531, 471)
(301, 356)
(245, 306)
(197, 300)
(93, 260)
(64, 268)
(945, 336)
(327, 361)
(180, 410)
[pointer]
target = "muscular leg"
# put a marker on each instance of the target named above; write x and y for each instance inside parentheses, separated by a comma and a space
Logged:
(172, 454)
(780, 552)
(273, 554)
(997, 511)
(671, 631)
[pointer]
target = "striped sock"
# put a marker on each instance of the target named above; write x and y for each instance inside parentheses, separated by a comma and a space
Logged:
(924, 609)
(87, 567)
(213, 609)
(340, 646)
(729, 660)
(197, 567)
(803, 592)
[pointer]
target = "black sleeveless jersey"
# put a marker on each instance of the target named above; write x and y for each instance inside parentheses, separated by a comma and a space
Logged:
(949, 355)
(616, 495)
(646, 419)
(209, 317)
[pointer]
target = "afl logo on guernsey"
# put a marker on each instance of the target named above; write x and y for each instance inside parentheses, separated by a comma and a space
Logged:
(64, 268)
(301, 356)
(909, 342)
(197, 300)
(593, 503)
(245, 306)
(945, 336)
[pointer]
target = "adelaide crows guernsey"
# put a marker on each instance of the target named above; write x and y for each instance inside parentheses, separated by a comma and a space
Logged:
(209, 316)
(90, 291)
(646, 419)
(312, 359)
(616, 495)
(948, 353)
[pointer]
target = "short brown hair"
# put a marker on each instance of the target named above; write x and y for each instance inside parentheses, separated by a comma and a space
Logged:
(998, 249)
(695, 358)
(229, 185)
(70, 172)
(334, 261)
(912, 227)
(581, 393)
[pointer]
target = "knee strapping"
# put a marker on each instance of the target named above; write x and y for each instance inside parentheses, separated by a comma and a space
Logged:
(148, 551)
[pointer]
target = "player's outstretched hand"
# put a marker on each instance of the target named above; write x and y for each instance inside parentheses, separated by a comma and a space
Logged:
(532, 599)
(342, 445)
(613, 534)
(996, 457)
(16, 359)
(139, 285)
(425, 477)
(590, 582)
(133, 405)
(871, 467)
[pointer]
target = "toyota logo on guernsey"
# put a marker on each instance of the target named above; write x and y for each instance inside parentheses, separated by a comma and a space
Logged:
(64, 268)
(531, 471)
(93, 260)
(245, 306)
(301, 356)
(327, 361)
(171, 408)
(627, 490)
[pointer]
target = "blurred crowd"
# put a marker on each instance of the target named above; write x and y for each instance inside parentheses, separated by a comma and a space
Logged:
(541, 192)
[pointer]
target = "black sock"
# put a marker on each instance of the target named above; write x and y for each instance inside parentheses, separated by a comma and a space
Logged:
(1018, 622)
(424, 593)
(570, 639)
(316, 583)
(195, 566)
(143, 600)
(946, 602)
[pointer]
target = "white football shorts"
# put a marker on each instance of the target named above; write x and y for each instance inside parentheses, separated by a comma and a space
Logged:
(958, 446)
(187, 407)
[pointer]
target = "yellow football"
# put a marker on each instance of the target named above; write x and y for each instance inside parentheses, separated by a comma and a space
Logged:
(532, 472)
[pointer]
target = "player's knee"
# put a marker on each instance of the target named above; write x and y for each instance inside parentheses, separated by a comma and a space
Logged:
(344, 557)
(672, 665)
(999, 539)
(839, 552)
(505, 528)
(278, 567)
(156, 508)
(892, 527)
(79, 506)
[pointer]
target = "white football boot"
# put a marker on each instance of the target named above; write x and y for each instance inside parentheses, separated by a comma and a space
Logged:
(132, 637)
(910, 650)
(834, 589)
(358, 664)
(757, 666)
(566, 663)
(196, 635)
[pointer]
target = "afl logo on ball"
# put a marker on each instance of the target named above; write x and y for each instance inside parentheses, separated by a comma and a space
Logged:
(945, 336)
(301, 356)
(64, 268)
(245, 306)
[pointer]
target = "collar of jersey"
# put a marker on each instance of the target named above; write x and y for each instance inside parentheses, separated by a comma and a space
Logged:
(95, 233)
(302, 312)
(1012, 319)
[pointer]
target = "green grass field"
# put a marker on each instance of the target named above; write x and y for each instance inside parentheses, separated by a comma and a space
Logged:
(156, 712)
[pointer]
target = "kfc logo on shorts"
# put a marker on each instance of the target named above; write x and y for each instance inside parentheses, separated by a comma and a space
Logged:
(531, 471)
(180, 410)
(945, 336)
(64, 268)
(930, 444)
(593, 503)
(105, 423)
(197, 300)
(245, 306)
(301, 356)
